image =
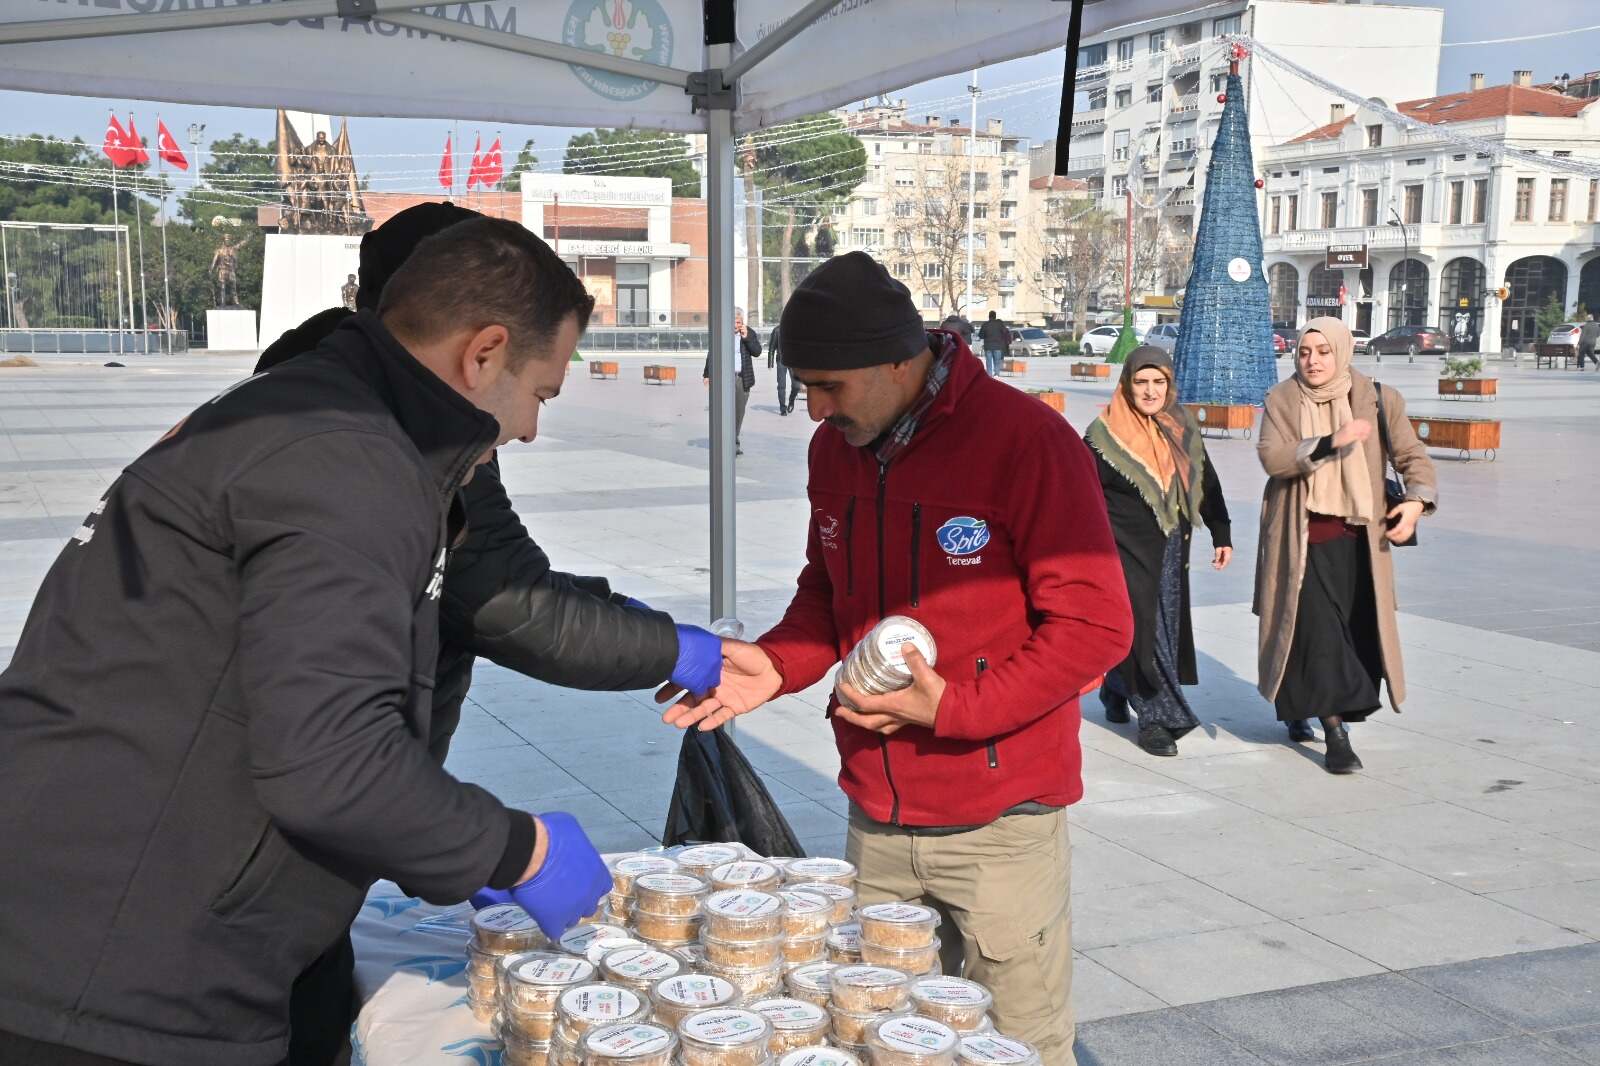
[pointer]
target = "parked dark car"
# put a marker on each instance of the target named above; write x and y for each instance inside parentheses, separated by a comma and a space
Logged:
(1410, 340)
(1284, 340)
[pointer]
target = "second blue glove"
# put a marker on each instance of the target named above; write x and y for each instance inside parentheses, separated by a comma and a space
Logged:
(699, 667)
(572, 881)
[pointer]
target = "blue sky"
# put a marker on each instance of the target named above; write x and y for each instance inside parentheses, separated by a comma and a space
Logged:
(1032, 113)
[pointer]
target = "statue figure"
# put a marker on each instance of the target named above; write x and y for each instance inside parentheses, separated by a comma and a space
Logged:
(321, 191)
(347, 292)
(224, 267)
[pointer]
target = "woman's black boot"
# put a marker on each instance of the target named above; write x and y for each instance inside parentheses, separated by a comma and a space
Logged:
(1116, 706)
(1341, 758)
(1157, 739)
(1300, 730)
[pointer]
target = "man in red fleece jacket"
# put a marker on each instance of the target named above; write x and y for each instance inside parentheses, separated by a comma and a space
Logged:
(940, 493)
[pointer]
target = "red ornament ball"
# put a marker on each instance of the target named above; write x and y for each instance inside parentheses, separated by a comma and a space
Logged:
(1260, 184)
(1222, 98)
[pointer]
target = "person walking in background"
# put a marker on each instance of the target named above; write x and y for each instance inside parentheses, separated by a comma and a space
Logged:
(959, 325)
(1588, 340)
(1158, 481)
(1324, 569)
(996, 339)
(788, 387)
(746, 346)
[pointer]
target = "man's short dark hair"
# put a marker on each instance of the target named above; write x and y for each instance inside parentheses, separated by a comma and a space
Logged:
(484, 272)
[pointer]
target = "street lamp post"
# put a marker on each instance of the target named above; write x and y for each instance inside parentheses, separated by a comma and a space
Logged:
(1405, 269)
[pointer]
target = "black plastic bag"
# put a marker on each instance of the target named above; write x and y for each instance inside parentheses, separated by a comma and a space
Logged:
(720, 798)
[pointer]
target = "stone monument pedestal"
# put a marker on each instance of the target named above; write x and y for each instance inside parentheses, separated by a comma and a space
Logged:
(231, 329)
(303, 273)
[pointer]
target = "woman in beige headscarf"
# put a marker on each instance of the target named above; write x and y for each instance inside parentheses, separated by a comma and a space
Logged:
(1324, 571)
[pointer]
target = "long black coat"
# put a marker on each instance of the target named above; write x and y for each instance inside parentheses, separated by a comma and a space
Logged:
(1141, 543)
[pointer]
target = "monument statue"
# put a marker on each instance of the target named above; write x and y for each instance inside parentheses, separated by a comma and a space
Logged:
(347, 292)
(320, 189)
(225, 269)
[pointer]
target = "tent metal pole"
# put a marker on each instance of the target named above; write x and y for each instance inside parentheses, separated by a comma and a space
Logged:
(720, 222)
(776, 39)
(542, 49)
(74, 29)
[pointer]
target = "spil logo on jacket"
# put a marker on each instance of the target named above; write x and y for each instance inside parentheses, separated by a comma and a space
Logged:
(962, 538)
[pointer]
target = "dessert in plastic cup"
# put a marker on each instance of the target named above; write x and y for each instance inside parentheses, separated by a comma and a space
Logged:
(743, 914)
(505, 927)
(957, 1002)
(795, 1023)
(911, 1041)
(724, 1037)
(629, 1044)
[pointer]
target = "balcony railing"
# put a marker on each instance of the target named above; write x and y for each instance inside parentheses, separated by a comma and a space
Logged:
(1078, 164)
(1185, 105)
(1180, 158)
(1090, 123)
(1316, 240)
(1182, 198)
(1006, 281)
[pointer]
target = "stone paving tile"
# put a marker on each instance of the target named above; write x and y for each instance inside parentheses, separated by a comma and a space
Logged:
(1158, 1037)
(1571, 906)
(1582, 1042)
(1438, 931)
(1544, 990)
(1098, 993)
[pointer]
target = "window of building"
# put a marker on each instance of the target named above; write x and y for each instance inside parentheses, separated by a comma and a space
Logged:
(905, 178)
(933, 270)
(1458, 191)
(1524, 199)
(904, 208)
(902, 270)
(980, 211)
(1008, 241)
(633, 294)
(1415, 162)
(980, 181)
(1275, 215)
(1008, 209)
(1120, 146)
(1462, 158)
(1413, 211)
(1330, 210)
(925, 147)
(1123, 97)
(1330, 170)
(1594, 200)
(902, 241)
(1006, 178)
(1375, 136)
(1219, 82)
(930, 301)
(1119, 185)
(1125, 50)
(1092, 56)
(1369, 207)
(1558, 199)
(930, 237)
(1158, 41)
(869, 206)
(1227, 24)
(868, 237)
(1152, 93)
(1097, 99)
(877, 174)
(1293, 221)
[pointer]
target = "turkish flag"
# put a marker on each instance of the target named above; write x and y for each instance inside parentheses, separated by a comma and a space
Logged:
(447, 168)
(115, 146)
(135, 144)
(168, 149)
(493, 167)
(475, 172)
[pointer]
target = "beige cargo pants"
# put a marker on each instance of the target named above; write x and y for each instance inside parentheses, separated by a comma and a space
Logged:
(1003, 892)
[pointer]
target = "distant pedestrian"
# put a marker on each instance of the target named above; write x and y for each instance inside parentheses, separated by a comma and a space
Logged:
(996, 339)
(746, 346)
(1324, 574)
(1158, 482)
(788, 387)
(958, 324)
(1588, 339)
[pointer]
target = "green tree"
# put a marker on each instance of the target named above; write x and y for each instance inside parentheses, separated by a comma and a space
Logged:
(1547, 318)
(527, 159)
(239, 176)
(804, 178)
(633, 153)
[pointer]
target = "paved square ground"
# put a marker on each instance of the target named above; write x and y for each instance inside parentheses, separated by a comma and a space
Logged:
(1235, 904)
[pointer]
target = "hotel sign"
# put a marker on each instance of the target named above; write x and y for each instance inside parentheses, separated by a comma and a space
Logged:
(1343, 256)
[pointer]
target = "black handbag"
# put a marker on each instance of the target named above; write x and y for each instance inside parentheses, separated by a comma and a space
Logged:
(1394, 489)
(719, 797)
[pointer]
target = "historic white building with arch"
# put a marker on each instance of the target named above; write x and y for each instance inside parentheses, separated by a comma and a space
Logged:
(1439, 226)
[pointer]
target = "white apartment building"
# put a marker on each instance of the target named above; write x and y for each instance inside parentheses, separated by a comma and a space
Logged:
(1147, 108)
(911, 211)
(1387, 227)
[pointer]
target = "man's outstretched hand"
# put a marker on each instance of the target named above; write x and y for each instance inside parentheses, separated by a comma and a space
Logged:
(748, 681)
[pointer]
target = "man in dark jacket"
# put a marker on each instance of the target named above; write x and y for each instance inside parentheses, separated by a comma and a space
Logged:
(788, 387)
(217, 715)
(939, 493)
(996, 339)
(1588, 342)
(746, 346)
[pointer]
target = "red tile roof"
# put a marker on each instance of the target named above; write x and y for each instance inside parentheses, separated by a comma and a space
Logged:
(1497, 101)
(1057, 183)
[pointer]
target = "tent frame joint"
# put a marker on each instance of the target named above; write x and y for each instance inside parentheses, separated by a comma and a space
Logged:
(357, 9)
(711, 91)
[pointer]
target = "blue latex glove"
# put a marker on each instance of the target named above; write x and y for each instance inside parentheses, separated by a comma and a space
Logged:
(489, 897)
(699, 668)
(572, 881)
(637, 605)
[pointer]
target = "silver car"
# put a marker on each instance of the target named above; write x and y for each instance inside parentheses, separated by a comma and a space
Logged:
(1031, 341)
(1163, 336)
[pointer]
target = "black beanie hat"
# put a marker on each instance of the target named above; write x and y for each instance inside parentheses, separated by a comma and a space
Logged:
(391, 244)
(848, 314)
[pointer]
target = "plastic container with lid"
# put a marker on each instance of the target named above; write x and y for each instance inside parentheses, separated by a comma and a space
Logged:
(741, 914)
(666, 927)
(629, 868)
(795, 1023)
(961, 1004)
(819, 1055)
(521, 1051)
(724, 1037)
(990, 1049)
(915, 961)
(753, 982)
(864, 988)
(630, 1043)
(534, 980)
(505, 927)
(850, 1026)
(483, 986)
(482, 963)
(675, 998)
(693, 955)
(591, 1006)
(843, 898)
(806, 914)
(800, 950)
(844, 943)
(911, 1041)
(701, 859)
(564, 1051)
(669, 893)
(484, 1010)
(811, 982)
(639, 967)
(876, 665)
(757, 874)
(746, 953)
(898, 925)
(821, 870)
(576, 941)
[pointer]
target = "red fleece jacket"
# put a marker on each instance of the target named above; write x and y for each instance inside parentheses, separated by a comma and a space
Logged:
(990, 529)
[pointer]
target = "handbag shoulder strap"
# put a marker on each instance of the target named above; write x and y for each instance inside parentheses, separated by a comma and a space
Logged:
(1383, 430)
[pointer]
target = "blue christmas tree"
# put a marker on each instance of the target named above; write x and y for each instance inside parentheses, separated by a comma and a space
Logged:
(1224, 349)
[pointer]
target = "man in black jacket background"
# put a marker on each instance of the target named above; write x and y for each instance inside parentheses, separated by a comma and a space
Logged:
(746, 346)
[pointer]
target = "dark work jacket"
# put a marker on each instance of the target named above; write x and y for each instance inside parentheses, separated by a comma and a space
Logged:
(1141, 543)
(503, 601)
(217, 718)
(749, 348)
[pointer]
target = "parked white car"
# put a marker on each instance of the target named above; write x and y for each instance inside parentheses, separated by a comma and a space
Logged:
(1360, 337)
(1098, 341)
(1163, 336)
(1032, 342)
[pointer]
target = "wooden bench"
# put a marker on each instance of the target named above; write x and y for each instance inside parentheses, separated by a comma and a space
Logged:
(659, 374)
(1547, 354)
(1091, 370)
(601, 369)
(1014, 366)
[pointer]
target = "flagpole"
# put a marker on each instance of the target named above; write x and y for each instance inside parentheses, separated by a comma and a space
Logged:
(166, 279)
(116, 240)
(138, 226)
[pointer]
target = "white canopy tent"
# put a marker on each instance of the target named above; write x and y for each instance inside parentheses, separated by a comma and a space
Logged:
(703, 66)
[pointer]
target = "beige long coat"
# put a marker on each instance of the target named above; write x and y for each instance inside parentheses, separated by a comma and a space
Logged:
(1281, 553)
